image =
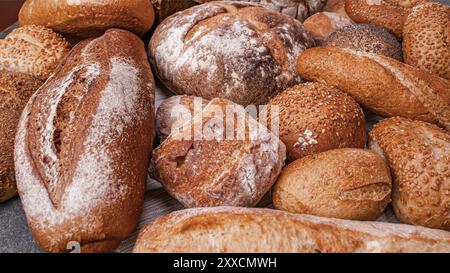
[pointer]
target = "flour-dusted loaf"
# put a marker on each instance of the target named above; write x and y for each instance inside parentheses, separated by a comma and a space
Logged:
(88, 18)
(15, 90)
(32, 50)
(418, 154)
(237, 51)
(314, 117)
(228, 229)
(383, 85)
(220, 157)
(83, 145)
(426, 38)
(352, 184)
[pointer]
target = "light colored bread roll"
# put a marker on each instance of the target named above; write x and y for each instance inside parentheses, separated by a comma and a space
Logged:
(347, 183)
(383, 85)
(15, 90)
(418, 154)
(237, 51)
(367, 38)
(88, 18)
(220, 157)
(426, 39)
(249, 230)
(322, 24)
(32, 50)
(314, 117)
(83, 146)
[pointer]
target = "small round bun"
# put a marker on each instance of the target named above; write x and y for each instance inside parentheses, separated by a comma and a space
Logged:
(426, 39)
(315, 118)
(367, 38)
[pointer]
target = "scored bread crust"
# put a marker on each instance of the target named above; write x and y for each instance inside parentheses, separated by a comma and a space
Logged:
(237, 230)
(233, 50)
(418, 154)
(83, 144)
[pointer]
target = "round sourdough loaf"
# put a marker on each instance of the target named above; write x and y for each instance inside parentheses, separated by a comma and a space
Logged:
(426, 38)
(313, 118)
(15, 90)
(347, 183)
(418, 154)
(238, 51)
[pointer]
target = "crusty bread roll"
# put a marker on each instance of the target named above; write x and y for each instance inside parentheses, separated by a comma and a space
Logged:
(15, 90)
(228, 229)
(426, 38)
(381, 84)
(220, 157)
(88, 18)
(238, 51)
(176, 110)
(165, 8)
(322, 24)
(367, 38)
(346, 183)
(83, 145)
(418, 154)
(32, 50)
(336, 6)
(314, 118)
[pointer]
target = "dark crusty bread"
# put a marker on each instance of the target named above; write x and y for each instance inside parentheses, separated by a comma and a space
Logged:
(314, 117)
(15, 90)
(418, 154)
(228, 229)
(237, 51)
(220, 157)
(83, 145)
(367, 38)
(346, 183)
(381, 84)
(88, 18)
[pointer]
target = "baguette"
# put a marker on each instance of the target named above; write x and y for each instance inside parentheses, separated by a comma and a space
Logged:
(228, 229)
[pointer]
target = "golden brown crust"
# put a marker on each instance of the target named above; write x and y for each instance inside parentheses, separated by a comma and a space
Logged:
(229, 229)
(83, 145)
(347, 183)
(381, 84)
(88, 18)
(315, 117)
(418, 154)
(323, 24)
(426, 39)
(15, 90)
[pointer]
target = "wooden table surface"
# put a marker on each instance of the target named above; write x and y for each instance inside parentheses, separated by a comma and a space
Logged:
(8, 12)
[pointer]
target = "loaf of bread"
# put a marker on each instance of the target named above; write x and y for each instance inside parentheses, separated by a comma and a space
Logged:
(314, 118)
(32, 50)
(367, 38)
(426, 38)
(220, 157)
(83, 145)
(418, 154)
(381, 84)
(88, 18)
(336, 6)
(228, 229)
(237, 51)
(165, 8)
(15, 90)
(323, 24)
(352, 184)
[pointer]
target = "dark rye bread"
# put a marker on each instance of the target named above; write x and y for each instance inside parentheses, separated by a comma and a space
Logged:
(232, 50)
(83, 145)
(15, 90)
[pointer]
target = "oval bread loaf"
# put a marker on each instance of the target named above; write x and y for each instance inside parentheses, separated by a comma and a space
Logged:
(83, 145)
(347, 183)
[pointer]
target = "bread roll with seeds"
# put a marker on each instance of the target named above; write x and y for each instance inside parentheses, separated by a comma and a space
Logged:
(15, 90)
(32, 50)
(352, 184)
(426, 39)
(418, 154)
(367, 38)
(315, 118)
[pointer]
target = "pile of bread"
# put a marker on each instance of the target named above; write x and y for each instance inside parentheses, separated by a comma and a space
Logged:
(77, 120)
